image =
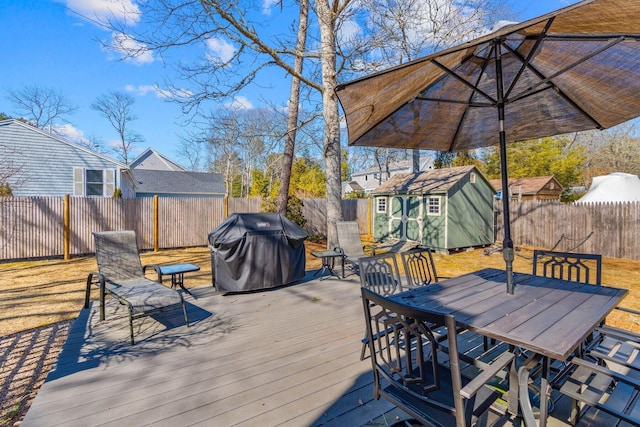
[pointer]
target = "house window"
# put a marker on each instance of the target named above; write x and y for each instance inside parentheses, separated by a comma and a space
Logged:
(552, 186)
(93, 182)
(433, 205)
(381, 205)
(472, 178)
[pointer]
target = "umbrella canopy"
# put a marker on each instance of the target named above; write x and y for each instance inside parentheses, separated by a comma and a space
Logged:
(570, 70)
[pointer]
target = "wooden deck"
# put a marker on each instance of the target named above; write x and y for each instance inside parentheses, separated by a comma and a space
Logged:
(282, 357)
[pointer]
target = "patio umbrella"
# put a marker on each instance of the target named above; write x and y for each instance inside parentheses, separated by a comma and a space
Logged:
(571, 70)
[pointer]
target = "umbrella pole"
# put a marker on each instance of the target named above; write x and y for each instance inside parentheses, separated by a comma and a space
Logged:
(507, 244)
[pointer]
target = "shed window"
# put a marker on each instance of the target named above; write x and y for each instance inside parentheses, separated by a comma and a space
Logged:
(93, 182)
(381, 205)
(472, 178)
(433, 205)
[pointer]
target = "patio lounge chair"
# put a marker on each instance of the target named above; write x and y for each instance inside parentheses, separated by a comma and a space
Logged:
(121, 276)
(409, 368)
(350, 244)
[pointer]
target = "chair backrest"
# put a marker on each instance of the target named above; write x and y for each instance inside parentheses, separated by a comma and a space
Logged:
(419, 267)
(405, 355)
(117, 255)
(576, 267)
(380, 273)
(349, 238)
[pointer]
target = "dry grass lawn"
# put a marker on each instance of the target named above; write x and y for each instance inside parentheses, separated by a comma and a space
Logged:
(39, 293)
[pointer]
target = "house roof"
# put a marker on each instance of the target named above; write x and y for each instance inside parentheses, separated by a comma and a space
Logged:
(11, 122)
(353, 186)
(530, 185)
(151, 159)
(436, 180)
(178, 182)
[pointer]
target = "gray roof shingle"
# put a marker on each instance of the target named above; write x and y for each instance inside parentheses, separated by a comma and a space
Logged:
(179, 183)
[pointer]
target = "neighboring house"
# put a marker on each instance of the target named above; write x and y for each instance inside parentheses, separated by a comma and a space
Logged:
(47, 165)
(152, 160)
(351, 187)
(370, 179)
(444, 209)
(531, 188)
(148, 183)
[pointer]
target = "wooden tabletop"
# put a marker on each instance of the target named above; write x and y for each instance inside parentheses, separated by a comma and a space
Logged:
(548, 316)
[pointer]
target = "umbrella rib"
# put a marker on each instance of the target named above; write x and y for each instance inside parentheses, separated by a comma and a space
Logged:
(454, 101)
(469, 103)
(463, 81)
(548, 80)
(567, 68)
(527, 61)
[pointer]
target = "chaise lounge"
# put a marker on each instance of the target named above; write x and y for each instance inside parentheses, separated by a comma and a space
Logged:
(121, 276)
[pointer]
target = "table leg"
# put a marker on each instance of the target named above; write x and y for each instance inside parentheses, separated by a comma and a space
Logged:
(177, 279)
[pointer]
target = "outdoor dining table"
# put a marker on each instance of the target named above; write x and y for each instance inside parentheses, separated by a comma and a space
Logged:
(549, 317)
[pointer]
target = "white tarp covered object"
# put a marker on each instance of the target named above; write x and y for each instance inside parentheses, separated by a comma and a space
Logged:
(615, 187)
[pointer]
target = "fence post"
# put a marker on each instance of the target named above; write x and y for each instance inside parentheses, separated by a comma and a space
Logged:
(156, 224)
(226, 206)
(66, 230)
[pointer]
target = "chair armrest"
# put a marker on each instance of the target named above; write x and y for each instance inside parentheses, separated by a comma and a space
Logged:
(156, 268)
(492, 370)
(628, 310)
(99, 281)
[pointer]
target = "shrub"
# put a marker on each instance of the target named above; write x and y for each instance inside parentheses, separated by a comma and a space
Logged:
(294, 209)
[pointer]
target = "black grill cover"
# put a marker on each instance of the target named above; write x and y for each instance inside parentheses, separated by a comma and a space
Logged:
(256, 251)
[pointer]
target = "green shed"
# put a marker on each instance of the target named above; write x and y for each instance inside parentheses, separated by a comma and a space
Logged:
(444, 209)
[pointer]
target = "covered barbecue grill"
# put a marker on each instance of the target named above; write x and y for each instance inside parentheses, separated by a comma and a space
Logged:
(256, 251)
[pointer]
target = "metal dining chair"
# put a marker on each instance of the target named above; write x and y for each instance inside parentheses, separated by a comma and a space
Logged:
(380, 274)
(420, 376)
(575, 267)
(419, 268)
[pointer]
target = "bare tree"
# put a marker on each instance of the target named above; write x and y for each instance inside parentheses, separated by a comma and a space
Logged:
(117, 108)
(294, 102)
(407, 29)
(41, 105)
(612, 150)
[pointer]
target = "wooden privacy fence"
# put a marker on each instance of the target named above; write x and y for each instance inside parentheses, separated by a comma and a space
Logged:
(615, 227)
(37, 227)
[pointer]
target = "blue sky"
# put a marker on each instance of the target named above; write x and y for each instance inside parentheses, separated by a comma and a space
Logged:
(44, 44)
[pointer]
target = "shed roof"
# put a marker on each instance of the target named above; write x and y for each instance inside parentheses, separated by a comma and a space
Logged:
(529, 185)
(436, 180)
(175, 182)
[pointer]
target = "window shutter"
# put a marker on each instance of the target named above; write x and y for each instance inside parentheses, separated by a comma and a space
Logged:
(78, 181)
(109, 182)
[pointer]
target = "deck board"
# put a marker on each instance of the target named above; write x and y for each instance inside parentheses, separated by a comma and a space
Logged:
(277, 357)
(281, 357)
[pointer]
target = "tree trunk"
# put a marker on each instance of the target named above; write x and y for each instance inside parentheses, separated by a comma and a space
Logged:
(327, 23)
(294, 101)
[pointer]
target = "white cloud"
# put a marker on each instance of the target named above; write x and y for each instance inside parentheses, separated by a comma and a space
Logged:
(143, 90)
(130, 50)
(239, 103)
(267, 5)
(72, 134)
(125, 11)
(220, 50)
